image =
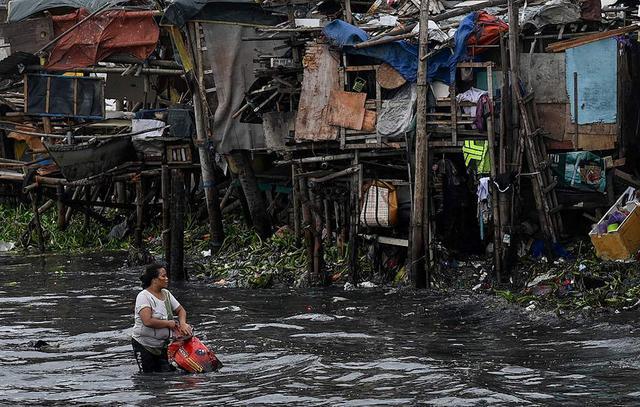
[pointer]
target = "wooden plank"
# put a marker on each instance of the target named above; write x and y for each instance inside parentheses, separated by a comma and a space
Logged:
(320, 78)
(563, 45)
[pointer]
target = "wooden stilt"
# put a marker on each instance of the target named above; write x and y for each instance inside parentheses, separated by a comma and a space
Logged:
(255, 200)
(418, 253)
(36, 216)
(295, 201)
(354, 221)
(166, 213)
(497, 224)
(318, 246)
(121, 192)
(306, 226)
(139, 213)
(327, 221)
(176, 266)
(87, 198)
(62, 210)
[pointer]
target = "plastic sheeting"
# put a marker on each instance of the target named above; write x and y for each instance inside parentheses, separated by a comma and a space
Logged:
(116, 31)
(232, 62)
(552, 13)
(181, 11)
(401, 55)
(21, 9)
(395, 117)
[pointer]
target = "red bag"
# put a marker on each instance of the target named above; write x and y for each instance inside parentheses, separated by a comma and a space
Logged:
(192, 355)
(487, 31)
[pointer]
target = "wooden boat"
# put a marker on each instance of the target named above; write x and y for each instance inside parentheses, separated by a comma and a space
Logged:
(83, 160)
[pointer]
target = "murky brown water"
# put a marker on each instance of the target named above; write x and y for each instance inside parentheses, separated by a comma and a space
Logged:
(325, 347)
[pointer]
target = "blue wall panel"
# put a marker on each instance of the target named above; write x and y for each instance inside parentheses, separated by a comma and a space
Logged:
(596, 65)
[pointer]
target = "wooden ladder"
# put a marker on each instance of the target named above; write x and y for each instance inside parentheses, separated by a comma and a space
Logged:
(531, 145)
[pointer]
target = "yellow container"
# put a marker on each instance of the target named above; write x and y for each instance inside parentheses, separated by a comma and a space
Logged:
(621, 244)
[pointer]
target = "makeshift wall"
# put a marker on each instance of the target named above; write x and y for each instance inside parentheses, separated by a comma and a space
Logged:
(546, 75)
(231, 60)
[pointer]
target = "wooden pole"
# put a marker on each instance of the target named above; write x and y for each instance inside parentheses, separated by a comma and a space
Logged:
(36, 216)
(327, 221)
(87, 199)
(295, 201)
(497, 224)
(176, 267)
(354, 203)
(166, 213)
(512, 8)
(139, 213)
(308, 234)
(62, 220)
(418, 252)
(255, 200)
(506, 136)
(318, 246)
(212, 197)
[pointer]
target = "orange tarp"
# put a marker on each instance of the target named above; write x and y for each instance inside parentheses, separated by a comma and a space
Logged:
(111, 32)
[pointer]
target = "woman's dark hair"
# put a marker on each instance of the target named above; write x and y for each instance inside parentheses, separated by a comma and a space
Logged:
(152, 271)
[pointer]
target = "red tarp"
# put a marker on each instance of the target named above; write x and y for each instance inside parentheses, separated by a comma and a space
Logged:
(111, 32)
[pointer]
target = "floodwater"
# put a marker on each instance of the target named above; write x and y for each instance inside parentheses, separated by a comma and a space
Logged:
(281, 347)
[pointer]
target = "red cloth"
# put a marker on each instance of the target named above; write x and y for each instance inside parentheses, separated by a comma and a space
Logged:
(487, 31)
(111, 32)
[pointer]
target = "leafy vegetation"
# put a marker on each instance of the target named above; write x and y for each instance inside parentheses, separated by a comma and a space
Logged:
(75, 238)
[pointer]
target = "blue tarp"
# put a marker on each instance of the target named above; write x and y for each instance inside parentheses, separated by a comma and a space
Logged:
(402, 55)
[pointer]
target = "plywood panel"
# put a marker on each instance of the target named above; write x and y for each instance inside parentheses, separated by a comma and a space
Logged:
(320, 78)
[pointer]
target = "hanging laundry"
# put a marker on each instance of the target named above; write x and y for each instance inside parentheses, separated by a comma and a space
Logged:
(484, 205)
(476, 156)
(472, 95)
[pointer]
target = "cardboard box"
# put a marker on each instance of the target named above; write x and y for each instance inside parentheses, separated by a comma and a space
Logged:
(623, 243)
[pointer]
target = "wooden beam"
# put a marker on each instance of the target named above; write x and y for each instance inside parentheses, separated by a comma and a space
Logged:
(587, 39)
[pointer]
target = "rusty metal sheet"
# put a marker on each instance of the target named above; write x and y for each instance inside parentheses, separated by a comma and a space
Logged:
(388, 78)
(320, 78)
(134, 33)
(346, 109)
(370, 120)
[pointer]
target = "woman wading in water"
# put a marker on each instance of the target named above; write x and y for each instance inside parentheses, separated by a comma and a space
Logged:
(154, 324)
